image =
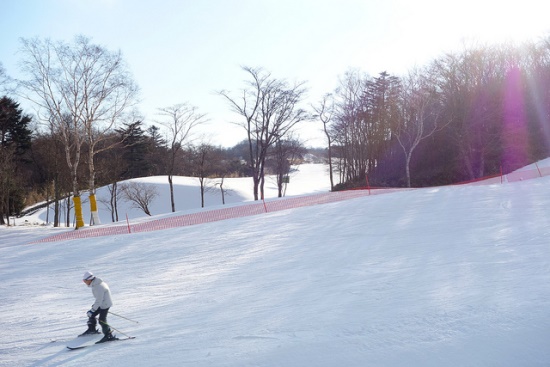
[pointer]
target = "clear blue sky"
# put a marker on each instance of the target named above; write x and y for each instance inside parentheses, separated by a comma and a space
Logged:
(186, 50)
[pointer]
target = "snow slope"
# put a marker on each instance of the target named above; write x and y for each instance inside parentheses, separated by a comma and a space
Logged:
(309, 178)
(449, 276)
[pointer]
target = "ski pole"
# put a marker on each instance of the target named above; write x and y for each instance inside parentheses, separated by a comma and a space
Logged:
(122, 317)
(115, 329)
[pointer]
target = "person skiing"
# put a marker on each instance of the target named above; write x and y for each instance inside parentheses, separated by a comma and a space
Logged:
(101, 306)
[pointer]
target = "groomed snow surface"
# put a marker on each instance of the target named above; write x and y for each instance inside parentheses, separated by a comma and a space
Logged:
(448, 276)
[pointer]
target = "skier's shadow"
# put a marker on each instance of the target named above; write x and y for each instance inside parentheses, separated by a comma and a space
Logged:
(71, 355)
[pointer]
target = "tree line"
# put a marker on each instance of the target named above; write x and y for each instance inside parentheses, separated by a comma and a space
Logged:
(35, 168)
(465, 115)
(88, 132)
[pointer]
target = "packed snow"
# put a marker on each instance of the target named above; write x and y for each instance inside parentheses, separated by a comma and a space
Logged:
(446, 276)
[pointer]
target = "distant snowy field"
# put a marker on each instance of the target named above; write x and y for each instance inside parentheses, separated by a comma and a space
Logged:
(305, 179)
(446, 276)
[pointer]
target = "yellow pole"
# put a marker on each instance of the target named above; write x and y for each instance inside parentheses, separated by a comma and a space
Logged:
(78, 212)
(93, 209)
(93, 203)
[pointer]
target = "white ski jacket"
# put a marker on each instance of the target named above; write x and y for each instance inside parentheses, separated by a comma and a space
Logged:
(102, 294)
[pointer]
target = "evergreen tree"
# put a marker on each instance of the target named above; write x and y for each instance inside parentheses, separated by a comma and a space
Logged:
(135, 150)
(156, 150)
(14, 131)
(15, 140)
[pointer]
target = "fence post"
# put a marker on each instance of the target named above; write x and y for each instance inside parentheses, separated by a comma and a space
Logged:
(368, 184)
(128, 223)
(538, 169)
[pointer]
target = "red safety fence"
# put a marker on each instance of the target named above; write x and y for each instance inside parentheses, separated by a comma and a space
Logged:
(527, 174)
(207, 216)
(257, 208)
(516, 176)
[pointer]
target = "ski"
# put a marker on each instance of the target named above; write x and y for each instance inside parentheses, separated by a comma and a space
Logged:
(91, 343)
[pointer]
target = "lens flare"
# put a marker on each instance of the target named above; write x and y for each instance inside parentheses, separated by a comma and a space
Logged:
(515, 139)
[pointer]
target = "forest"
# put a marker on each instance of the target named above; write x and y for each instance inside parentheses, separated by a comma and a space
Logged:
(465, 115)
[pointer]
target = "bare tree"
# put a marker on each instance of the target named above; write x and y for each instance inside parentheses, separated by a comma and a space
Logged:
(222, 170)
(108, 92)
(284, 154)
(81, 90)
(203, 162)
(469, 84)
(325, 112)
(420, 115)
(179, 120)
(6, 83)
(347, 129)
(139, 194)
(111, 203)
(270, 110)
(222, 190)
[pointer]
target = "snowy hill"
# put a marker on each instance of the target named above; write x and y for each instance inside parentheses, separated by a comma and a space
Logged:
(449, 276)
(306, 179)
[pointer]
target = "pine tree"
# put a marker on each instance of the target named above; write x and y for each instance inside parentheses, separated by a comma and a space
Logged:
(135, 150)
(15, 140)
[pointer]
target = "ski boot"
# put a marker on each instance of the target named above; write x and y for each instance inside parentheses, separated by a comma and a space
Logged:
(90, 331)
(107, 338)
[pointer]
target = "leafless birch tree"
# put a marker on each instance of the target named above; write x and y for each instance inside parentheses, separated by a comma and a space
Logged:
(270, 111)
(420, 115)
(179, 120)
(81, 90)
(325, 111)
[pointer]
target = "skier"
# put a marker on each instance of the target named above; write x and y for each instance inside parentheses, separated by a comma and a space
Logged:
(101, 306)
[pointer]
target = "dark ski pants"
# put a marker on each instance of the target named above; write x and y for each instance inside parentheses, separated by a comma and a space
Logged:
(92, 322)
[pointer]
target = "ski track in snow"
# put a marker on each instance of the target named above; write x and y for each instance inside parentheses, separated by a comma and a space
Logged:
(448, 276)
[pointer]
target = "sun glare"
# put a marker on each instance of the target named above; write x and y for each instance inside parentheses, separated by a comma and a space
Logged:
(501, 21)
(423, 29)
